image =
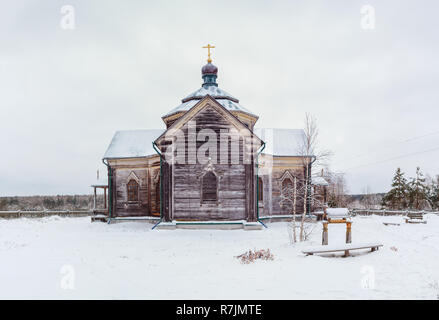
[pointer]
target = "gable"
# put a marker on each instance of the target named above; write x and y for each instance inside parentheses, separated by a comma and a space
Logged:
(209, 111)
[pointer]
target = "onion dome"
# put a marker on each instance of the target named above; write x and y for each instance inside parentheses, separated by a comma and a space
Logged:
(209, 87)
(209, 69)
(209, 73)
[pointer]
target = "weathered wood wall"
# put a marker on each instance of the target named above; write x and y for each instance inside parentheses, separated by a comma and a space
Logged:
(272, 203)
(122, 205)
(236, 182)
(146, 172)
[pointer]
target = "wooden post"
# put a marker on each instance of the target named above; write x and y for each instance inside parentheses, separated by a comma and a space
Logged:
(325, 234)
(105, 198)
(294, 209)
(94, 198)
(348, 232)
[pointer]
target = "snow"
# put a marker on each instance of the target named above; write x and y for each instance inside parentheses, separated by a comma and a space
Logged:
(337, 212)
(138, 143)
(281, 142)
(213, 91)
(222, 97)
(132, 144)
(226, 103)
(129, 260)
(342, 247)
(319, 181)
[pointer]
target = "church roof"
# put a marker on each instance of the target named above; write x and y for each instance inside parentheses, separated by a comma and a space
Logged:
(210, 87)
(132, 144)
(226, 103)
(281, 142)
(213, 91)
(319, 181)
(138, 143)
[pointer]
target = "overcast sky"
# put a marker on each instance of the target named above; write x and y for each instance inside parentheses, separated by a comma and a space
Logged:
(63, 93)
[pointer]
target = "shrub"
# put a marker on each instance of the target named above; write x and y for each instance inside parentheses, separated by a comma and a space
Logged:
(251, 256)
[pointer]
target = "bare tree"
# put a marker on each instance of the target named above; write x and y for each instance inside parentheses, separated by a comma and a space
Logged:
(292, 194)
(311, 154)
(289, 198)
(337, 189)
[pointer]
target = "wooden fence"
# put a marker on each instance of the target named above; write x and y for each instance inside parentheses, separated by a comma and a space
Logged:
(368, 212)
(41, 214)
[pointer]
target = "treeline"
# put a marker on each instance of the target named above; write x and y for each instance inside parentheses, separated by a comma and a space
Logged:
(59, 202)
(418, 192)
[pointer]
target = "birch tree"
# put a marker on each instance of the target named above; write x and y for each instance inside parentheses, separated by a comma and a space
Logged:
(311, 154)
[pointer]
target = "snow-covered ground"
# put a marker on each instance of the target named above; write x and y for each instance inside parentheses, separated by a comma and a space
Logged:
(65, 258)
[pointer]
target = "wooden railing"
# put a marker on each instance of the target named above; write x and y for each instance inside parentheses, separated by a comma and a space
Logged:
(367, 212)
(43, 213)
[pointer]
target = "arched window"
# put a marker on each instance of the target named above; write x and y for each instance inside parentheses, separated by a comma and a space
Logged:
(133, 190)
(209, 192)
(287, 189)
(260, 189)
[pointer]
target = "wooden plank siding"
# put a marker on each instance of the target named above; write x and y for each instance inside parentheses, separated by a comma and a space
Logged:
(181, 183)
(143, 171)
(272, 201)
(235, 179)
(131, 208)
(231, 202)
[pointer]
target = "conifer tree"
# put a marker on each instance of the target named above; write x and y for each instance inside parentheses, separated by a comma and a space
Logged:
(417, 190)
(433, 193)
(396, 198)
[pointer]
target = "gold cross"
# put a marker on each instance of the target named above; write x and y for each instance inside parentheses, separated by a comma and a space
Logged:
(208, 47)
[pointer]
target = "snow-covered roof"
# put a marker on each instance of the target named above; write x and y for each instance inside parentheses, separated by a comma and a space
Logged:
(281, 142)
(319, 181)
(102, 181)
(132, 144)
(225, 99)
(228, 104)
(337, 212)
(138, 143)
(213, 91)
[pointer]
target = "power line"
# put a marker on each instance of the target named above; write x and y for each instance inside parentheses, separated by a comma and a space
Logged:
(395, 158)
(423, 136)
(393, 144)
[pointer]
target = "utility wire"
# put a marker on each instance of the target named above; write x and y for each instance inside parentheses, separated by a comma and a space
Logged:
(393, 144)
(395, 158)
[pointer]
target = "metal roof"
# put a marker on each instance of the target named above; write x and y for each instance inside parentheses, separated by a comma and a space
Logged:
(319, 181)
(213, 91)
(282, 142)
(224, 98)
(132, 144)
(138, 143)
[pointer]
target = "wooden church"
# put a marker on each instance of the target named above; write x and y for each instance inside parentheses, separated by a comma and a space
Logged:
(209, 165)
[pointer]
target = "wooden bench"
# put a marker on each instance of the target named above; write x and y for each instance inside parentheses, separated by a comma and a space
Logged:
(391, 224)
(415, 217)
(342, 248)
(415, 221)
